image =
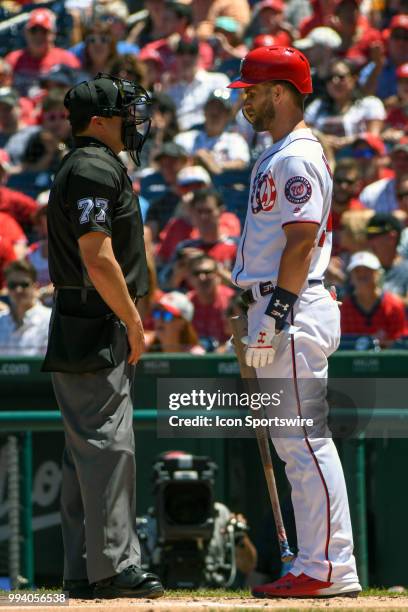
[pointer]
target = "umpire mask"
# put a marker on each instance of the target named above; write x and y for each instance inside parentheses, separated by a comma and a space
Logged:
(136, 118)
(109, 96)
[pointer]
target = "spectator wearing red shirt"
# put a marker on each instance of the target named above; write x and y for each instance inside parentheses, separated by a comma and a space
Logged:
(12, 232)
(180, 227)
(322, 15)
(359, 40)
(177, 24)
(7, 255)
(40, 54)
(369, 311)
(19, 205)
(206, 209)
(269, 19)
(210, 299)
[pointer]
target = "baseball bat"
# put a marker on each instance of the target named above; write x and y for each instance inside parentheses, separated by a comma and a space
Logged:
(239, 330)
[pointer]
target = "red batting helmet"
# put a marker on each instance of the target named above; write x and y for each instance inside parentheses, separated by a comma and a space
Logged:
(275, 64)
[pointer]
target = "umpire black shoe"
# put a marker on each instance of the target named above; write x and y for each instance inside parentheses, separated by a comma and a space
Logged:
(131, 582)
(78, 589)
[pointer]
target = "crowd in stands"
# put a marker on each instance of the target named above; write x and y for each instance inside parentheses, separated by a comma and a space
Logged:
(195, 172)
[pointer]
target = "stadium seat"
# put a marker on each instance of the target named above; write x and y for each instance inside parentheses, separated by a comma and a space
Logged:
(233, 186)
(401, 343)
(356, 342)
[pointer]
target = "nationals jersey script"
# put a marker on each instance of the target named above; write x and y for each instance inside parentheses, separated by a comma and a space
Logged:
(290, 183)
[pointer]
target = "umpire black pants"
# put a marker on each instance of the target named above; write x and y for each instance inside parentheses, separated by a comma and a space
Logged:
(98, 506)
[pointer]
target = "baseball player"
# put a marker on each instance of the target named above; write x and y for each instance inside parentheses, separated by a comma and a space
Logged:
(283, 254)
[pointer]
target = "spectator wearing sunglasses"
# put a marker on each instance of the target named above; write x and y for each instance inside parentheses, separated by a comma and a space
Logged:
(210, 299)
(380, 76)
(40, 53)
(100, 49)
(342, 113)
(24, 329)
(115, 15)
(346, 187)
(173, 328)
(381, 195)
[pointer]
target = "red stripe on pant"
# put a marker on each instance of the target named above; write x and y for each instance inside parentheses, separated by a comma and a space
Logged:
(311, 451)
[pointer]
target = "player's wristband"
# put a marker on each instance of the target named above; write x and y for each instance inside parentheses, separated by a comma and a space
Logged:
(280, 305)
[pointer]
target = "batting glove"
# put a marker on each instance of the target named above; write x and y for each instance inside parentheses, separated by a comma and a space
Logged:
(260, 349)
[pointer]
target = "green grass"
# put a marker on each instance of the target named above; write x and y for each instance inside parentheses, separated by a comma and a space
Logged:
(183, 593)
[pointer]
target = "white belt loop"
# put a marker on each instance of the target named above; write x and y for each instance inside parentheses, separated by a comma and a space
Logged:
(255, 291)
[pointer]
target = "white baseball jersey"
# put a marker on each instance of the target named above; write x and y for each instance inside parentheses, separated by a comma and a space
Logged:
(290, 183)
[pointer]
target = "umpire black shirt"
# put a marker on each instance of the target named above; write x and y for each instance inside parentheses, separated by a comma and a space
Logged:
(93, 193)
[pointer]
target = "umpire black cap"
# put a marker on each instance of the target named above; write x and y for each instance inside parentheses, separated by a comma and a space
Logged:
(98, 97)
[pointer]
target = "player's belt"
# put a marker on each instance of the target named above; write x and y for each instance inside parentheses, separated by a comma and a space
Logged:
(267, 288)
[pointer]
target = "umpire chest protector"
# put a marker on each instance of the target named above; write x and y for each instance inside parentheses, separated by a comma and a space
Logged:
(92, 192)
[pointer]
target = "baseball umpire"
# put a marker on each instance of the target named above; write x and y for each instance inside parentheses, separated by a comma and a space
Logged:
(97, 263)
(283, 254)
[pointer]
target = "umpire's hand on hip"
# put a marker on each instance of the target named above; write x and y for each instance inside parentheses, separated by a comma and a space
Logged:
(260, 349)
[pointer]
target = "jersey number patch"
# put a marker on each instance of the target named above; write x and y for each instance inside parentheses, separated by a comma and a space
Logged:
(86, 205)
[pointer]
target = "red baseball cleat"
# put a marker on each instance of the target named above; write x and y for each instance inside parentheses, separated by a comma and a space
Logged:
(305, 586)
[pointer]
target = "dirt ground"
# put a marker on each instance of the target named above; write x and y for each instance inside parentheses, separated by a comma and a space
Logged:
(223, 604)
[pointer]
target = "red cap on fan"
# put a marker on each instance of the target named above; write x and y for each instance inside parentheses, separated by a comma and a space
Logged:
(399, 22)
(275, 5)
(402, 71)
(263, 40)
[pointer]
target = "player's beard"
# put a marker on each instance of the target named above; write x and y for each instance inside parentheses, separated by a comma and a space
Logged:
(262, 122)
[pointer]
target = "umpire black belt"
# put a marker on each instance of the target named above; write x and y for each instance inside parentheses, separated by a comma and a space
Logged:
(267, 288)
(84, 294)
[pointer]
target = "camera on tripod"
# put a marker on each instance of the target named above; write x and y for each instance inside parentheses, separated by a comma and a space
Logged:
(188, 538)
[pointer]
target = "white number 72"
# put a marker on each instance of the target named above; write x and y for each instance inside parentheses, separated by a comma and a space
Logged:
(86, 205)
